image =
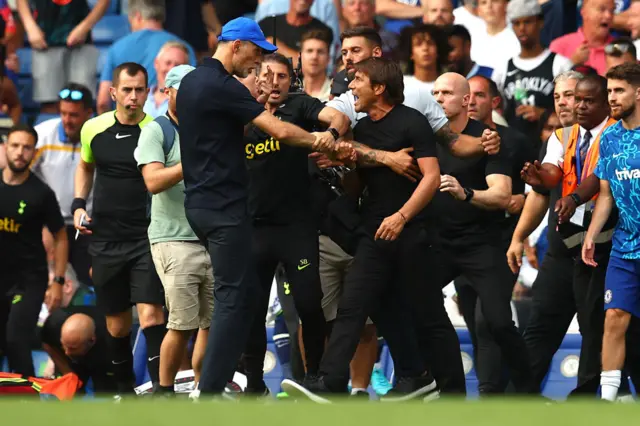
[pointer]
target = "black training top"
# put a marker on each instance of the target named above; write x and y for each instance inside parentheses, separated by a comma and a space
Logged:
(460, 222)
(279, 189)
(24, 210)
(120, 195)
(387, 192)
(96, 363)
(213, 108)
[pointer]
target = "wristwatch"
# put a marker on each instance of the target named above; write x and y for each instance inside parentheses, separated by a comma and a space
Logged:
(468, 194)
(334, 132)
(575, 198)
(59, 280)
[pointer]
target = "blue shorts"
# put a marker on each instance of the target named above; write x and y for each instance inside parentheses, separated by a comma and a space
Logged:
(622, 285)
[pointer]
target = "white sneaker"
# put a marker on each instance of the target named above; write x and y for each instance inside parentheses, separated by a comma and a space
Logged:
(194, 396)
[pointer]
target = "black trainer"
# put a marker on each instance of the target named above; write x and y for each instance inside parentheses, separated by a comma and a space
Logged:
(408, 388)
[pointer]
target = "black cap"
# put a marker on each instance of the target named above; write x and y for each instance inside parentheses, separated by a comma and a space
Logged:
(340, 83)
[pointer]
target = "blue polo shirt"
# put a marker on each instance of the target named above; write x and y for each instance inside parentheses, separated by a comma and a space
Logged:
(213, 108)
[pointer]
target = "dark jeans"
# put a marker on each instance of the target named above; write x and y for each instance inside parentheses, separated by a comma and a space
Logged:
(296, 246)
(383, 274)
(228, 240)
(19, 310)
(485, 266)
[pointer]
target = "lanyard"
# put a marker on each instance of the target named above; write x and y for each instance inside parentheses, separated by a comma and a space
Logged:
(579, 162)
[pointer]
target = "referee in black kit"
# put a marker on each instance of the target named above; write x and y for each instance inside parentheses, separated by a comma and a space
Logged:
(213, 108)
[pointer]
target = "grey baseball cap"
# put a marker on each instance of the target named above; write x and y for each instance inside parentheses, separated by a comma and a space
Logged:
(517, 9)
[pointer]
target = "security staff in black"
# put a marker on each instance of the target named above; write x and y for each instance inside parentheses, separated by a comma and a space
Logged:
(391, 260)
(283, 226)
(26, 206)
(123, 271)
(469, 209)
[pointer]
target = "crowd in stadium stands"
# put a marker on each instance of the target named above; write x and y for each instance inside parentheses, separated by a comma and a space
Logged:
(426, 154)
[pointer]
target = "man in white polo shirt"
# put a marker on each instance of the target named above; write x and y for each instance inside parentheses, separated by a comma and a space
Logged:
(58, 154)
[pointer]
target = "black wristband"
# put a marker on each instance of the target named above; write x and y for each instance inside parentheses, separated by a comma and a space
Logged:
(78, 203)
(575, 198)
(334, 133)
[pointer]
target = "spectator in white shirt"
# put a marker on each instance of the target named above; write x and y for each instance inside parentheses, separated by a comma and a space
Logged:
(426, 49)
(498, 43)
(315, 61)
(467, 15)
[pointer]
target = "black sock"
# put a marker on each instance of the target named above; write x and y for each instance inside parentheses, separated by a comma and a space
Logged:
(154, 336)
(122, 362)
(165, 389)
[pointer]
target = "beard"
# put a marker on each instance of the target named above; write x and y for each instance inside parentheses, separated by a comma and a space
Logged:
(625, 113)
(15, 169)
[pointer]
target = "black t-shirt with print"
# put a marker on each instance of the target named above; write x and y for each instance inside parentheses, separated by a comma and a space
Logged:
(279, 188)
(386, 192)
(58, 18)
(278, 27)
(460, 222)
(24, 210)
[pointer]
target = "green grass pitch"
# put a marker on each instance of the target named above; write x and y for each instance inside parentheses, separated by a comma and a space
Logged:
(509, 412)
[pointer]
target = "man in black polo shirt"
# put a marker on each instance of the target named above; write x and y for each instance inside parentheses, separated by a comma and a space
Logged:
(213, 108)
(280, 206)
(26, 206)
(474, 194)
(391, 262)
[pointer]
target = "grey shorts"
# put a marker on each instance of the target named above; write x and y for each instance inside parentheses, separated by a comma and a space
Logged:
(187, 277)
(334, 265)
(54, 67)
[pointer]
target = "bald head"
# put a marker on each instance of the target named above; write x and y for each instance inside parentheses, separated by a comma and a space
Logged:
(77, 335)
(451, 91)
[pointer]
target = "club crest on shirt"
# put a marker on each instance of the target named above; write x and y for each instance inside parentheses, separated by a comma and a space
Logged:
(608, 295)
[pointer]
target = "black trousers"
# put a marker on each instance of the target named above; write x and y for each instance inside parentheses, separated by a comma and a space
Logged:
(79, 256)
(491, 287)
(383, 275)
(553, 307)
(228, 240)
(19, 310)
(295, 246)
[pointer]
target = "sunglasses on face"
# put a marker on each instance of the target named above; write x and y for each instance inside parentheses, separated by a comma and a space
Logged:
(74, 95)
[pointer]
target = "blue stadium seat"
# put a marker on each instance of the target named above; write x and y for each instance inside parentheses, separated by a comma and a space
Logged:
(113, 9)
(110, 28)
(44, 117)
(273, 373)
(25, 91)
(24, 56)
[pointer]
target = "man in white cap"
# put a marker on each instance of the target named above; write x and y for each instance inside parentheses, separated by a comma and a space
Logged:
(182, 263)
(527, 79)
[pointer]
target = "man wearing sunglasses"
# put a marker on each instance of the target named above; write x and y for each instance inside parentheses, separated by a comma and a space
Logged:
(620, 51)
(55, 162)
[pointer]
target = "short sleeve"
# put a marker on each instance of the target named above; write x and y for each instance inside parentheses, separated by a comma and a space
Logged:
(498, 164)
(150, 145)
(311, 108)
(238, 101)
(52, 327)
(421, 136)
(555, 151)
(86, 153)
(53, 219)
(434, 113)
(604, 158)
(109, 65)
(345, 104)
